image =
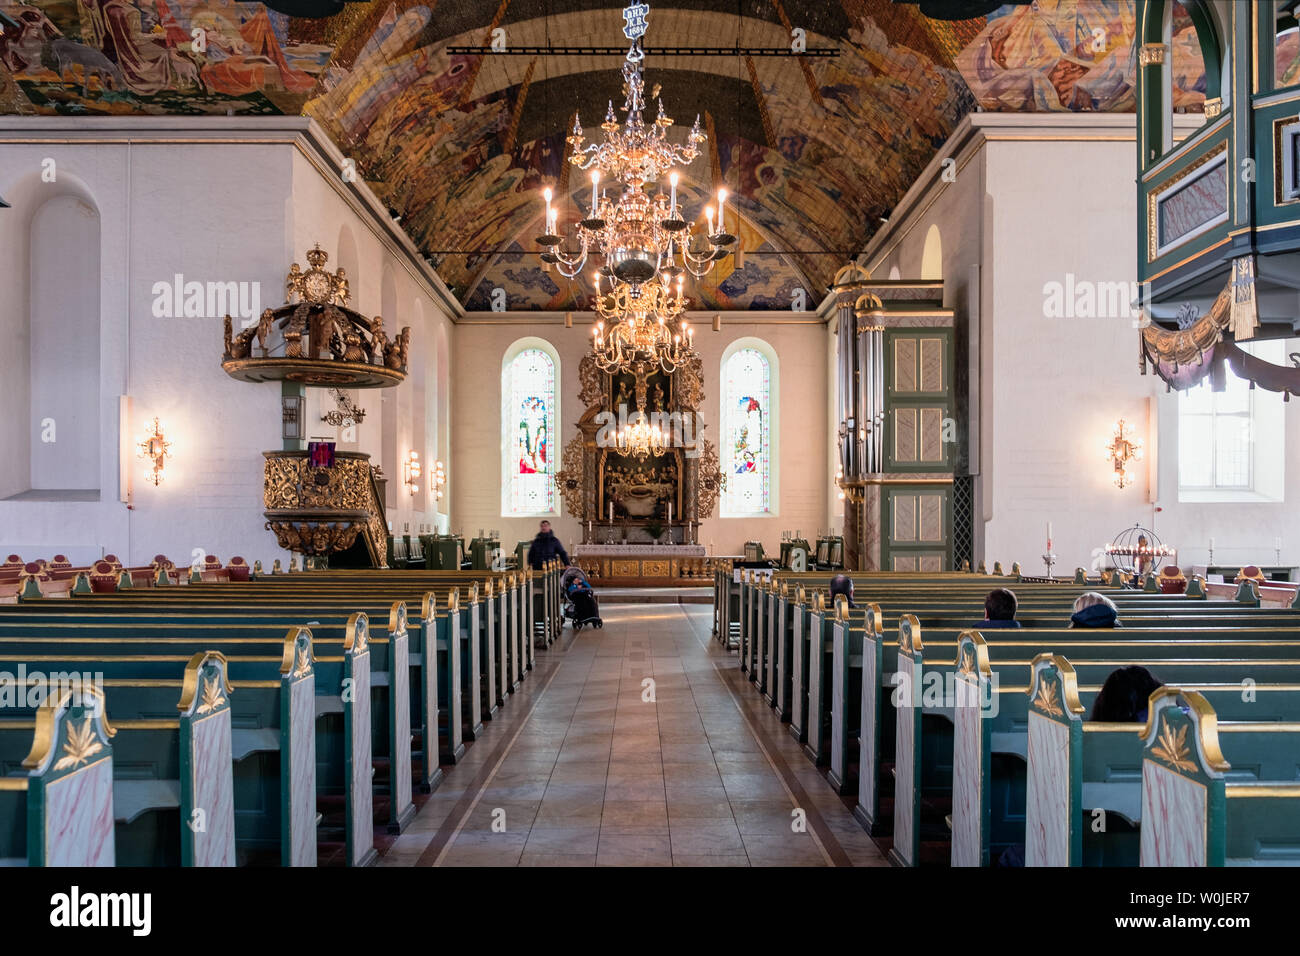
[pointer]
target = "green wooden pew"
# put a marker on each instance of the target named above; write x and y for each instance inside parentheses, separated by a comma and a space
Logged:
(1084, 778)
(273, 674)
(251, 630)
(181, 763)
(56, 806)
(1193, 814)
(928, 725)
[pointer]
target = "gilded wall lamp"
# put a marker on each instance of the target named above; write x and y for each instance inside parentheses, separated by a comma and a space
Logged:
(439, 479)
(1123, 450)
(155, 449)
(411, 473)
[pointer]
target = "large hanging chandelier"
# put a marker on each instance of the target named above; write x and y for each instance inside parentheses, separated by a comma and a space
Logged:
(639, 235)
(641, 322)
(639, 439)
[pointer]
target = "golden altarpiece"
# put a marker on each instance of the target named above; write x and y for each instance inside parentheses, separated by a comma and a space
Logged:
(640, 507)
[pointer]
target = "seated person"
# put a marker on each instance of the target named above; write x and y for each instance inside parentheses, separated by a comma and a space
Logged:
(1123, 698)
(1094, 610)
(574, 579)
(842, 584)
(1000, 609)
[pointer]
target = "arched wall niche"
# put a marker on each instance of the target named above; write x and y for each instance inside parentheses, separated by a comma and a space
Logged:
(51, 330)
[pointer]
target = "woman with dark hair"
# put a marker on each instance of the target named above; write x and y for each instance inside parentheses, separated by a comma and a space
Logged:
(1123, 698)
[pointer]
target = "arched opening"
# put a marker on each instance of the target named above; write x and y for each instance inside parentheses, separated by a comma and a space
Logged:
(932, 254)
(748, 377)
(530, 416)
(62, 367)
(443, 430)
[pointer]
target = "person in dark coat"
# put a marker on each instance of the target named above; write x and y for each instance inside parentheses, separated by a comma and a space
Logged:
(1123, 698)
(1094, 610)
(545, 547)
(1000, 609)
(842, 584)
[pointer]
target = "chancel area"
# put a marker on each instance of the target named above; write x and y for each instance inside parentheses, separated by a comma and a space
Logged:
(510, 433)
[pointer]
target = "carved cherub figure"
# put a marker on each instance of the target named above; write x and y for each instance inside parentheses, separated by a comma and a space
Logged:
(264, 329)
(229, 337)
(292, 282)
(378, 337)
(404, 344)
(341, 294)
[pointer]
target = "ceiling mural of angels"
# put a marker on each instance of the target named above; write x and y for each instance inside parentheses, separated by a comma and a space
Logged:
(815, 150)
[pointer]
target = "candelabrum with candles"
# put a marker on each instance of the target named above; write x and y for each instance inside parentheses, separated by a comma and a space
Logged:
(639, 235)
(1137, 550)
(644, 322)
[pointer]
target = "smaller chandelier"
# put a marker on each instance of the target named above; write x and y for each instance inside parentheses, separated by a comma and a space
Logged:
(640, 439)
(1122, 450)
(644, 323)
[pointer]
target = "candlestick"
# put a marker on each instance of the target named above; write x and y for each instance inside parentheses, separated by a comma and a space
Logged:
(611, 512)
(722, 200)
(670, 512)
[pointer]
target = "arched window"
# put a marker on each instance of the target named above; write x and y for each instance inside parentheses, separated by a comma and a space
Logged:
(748, 431)
(529, 421)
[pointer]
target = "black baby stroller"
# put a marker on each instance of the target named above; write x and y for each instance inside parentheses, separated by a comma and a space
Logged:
(580, 604)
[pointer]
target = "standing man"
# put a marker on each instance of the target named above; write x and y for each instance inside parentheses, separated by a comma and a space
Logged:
(545, 547)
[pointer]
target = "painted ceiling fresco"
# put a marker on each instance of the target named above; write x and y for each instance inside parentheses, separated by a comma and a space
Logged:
(815, 150)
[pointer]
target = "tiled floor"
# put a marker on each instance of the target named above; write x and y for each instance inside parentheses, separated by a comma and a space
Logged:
(635, 745)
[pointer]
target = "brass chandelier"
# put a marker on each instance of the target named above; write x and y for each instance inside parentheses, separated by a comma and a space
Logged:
(640, 439)
(644, 323)
(639, 235)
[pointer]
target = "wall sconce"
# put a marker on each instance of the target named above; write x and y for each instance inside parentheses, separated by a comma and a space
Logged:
(411, 473)
(1122, 450)
(154, 448)
(439, 479)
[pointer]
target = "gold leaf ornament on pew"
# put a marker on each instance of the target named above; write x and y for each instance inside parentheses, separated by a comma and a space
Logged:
(302, 665)
(967, 665)
(82, 744)
(1048, 699)
(212, 698)
(1172, 747)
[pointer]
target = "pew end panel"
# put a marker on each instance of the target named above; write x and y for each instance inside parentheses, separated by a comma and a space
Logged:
(207, 784)
(359, 800)
(972, 733)
(1183, 792)
(298, 750)
(1054, 798)
(69, 783)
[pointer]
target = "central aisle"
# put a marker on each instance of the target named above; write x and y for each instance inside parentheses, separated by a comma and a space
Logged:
(635, 745)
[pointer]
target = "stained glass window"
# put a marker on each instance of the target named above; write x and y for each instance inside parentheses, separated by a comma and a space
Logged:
(746, 453)
(530, 426)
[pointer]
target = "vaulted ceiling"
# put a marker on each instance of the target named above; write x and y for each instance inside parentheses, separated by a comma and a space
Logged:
(816, 149)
